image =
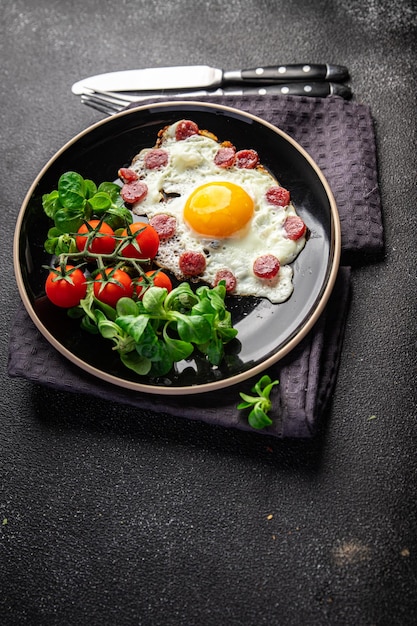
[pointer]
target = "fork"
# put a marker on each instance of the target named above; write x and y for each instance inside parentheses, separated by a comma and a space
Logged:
(107, 102)
(110, 102)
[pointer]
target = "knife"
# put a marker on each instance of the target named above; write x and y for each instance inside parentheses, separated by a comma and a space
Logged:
(200, 76)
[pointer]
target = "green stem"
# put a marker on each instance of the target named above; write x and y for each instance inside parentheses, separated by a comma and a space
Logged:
(63, 258)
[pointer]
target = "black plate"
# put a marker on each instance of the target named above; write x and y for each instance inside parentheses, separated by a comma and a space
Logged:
(266, 332)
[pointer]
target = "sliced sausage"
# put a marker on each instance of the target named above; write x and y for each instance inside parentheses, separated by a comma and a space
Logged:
(192, 263)
(266, 266)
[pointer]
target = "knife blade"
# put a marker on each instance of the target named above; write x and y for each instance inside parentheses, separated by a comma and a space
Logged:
(200, 76)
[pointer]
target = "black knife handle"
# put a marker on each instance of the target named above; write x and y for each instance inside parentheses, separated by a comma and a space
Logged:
(313, 89)
(289, 73)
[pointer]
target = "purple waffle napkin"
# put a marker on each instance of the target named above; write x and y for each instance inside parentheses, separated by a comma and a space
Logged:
(339, 136)
(307, 376)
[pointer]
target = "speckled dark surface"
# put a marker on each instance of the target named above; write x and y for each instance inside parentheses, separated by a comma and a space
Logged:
(109, 515)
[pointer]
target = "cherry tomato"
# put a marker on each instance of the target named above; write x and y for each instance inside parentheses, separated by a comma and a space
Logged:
(146, 241)
(66, 289)
(159, 279)
(117, 285)
(103, 241)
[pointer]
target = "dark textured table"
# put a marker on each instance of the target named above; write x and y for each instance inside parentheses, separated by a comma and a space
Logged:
(112, 515)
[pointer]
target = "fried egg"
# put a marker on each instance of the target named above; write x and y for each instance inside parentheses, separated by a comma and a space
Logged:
(219, 206)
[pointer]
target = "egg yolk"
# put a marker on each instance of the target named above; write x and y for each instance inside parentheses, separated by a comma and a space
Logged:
(218, 210)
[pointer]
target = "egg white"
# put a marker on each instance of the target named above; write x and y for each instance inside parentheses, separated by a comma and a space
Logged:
(190, 165)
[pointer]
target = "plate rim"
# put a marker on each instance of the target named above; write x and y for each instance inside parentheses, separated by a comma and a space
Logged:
(217, 384)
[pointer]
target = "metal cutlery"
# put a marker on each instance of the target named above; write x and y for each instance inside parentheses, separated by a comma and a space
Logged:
(204, 76)
(109, 102)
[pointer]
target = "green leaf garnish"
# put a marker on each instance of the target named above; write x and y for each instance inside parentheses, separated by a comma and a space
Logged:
(260, 404)
(75, 201)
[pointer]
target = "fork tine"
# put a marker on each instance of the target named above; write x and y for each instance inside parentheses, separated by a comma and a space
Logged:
(104, 106)
(114, 95)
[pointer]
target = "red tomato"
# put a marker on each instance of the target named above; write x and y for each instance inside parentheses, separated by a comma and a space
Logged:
(145, 244)
(103, 242)
(117, 285)
(66, 289)
(159, 279)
